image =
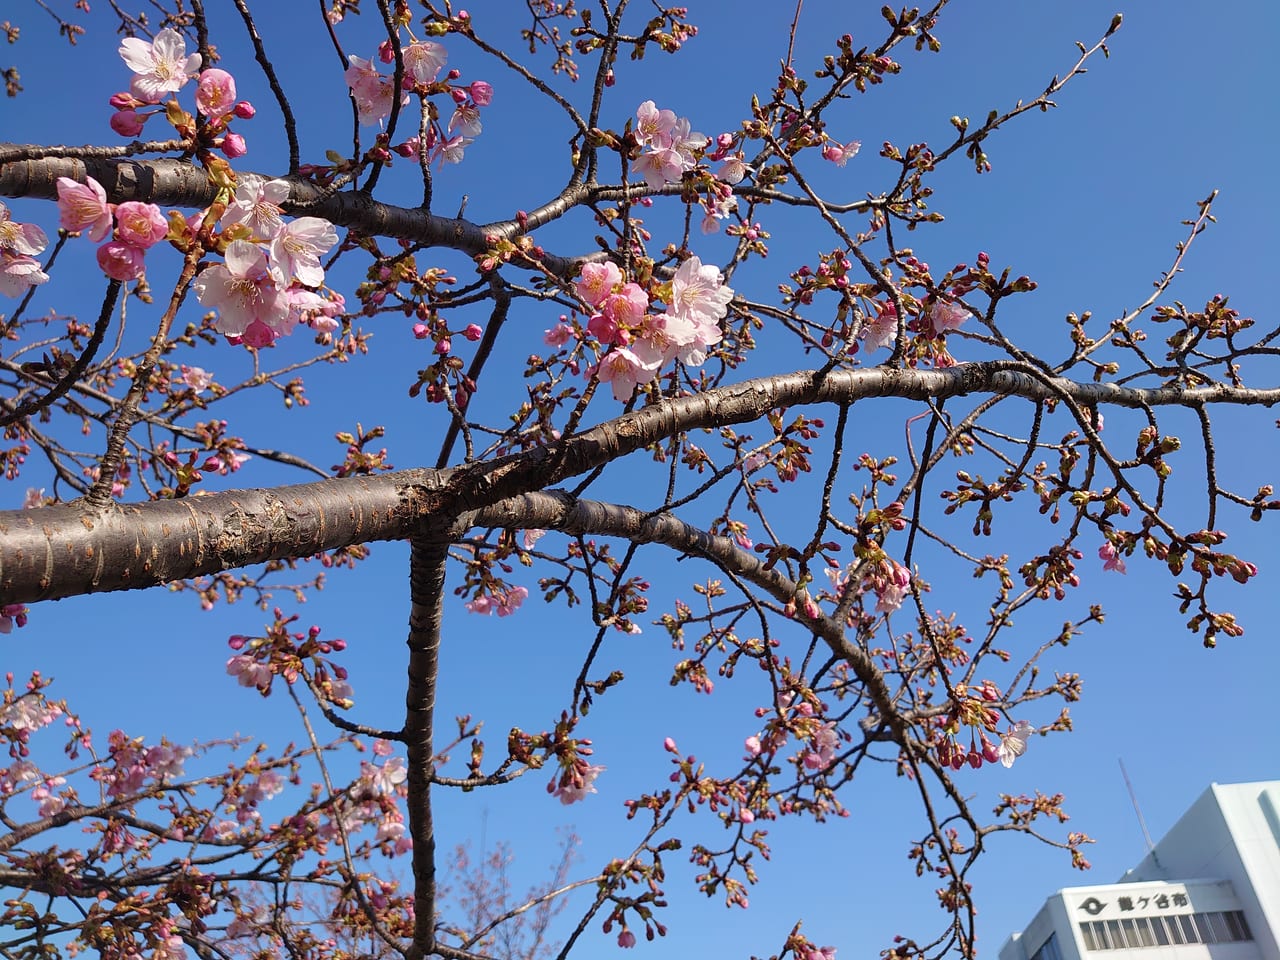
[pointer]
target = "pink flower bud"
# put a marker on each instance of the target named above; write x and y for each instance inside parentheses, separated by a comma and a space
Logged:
(127, 123)
(258, 335)
(746, 816)
(421, 331)
(233, 146)
(124, 101)
(386, 52)
(459, 95)
(669, 745)
(244, 110)
(121, 261)
(481, 93)
(473, 332)
(443, 346)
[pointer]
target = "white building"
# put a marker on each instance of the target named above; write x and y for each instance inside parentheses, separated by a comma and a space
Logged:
(1209, 889)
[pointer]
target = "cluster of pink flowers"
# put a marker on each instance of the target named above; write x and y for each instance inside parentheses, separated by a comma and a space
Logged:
(374, 94)
(575, 782)
(132, 765)
(889, 580)
(640, 342)
(11, 615)
(669, 145)
(161, 67)
(27, 713)
(83, 208)
(19, 244)
(882, 329)
(267, 285)
(1111, 559)
(502, 601)
(22, 772)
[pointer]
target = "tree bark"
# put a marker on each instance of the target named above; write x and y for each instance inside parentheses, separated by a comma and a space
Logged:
(66, 550)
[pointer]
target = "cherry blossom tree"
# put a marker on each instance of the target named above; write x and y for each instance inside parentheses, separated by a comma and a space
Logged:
(685, 396)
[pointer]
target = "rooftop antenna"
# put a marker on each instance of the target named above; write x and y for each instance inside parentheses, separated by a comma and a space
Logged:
(1133, 798)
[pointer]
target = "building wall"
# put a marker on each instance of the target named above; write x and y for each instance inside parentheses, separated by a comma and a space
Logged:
(1219, 862)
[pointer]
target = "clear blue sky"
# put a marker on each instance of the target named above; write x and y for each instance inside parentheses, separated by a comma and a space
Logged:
(1087, 200)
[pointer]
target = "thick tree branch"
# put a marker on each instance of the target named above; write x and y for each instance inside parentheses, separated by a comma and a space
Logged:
(65, 550)
(180, 183)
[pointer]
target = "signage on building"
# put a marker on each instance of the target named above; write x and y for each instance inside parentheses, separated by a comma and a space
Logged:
(1134, 904)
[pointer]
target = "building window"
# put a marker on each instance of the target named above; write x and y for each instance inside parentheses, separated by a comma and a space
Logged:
(1160, 931)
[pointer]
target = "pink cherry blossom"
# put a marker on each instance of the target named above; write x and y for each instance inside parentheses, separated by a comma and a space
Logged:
(12, 614)
(946, 315)
(197, 378)
(249, 672)
(1111, 559)
(23, 239)
(698, 293)
(121, 261)
(658, 167)
(481, 93)
(576, 784)
(684, 142)
(388, 777)
(372, 90)
(1014, 743)
(509, 601)
(83, 207)
(450, 151)
(623, 370)
(597, 281)
(465, 121)
(242, 291)
(604, 328)
(161, 66)
(424, 60)
(216, 93)
(558, 335)
(47, 802)
(654, 126)
(881, 330)
(296, 250)
(627, 307)
(841, 153)
(733, 170)
(19, 273)
(257, 205)
(822, 749)
(141, 224)
(307, 306)
(33, 499)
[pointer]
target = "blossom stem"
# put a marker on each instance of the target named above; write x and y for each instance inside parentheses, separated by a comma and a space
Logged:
(99, 494)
